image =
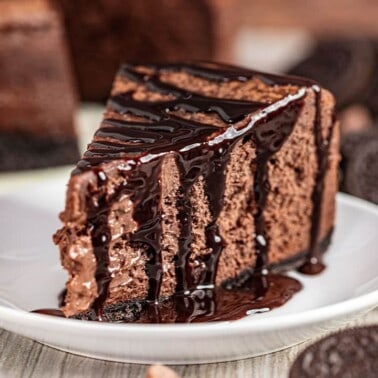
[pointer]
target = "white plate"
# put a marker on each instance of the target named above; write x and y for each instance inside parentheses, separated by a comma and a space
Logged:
(31, 278)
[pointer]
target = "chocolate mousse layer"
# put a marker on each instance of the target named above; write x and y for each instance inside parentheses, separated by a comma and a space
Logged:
(199, 175)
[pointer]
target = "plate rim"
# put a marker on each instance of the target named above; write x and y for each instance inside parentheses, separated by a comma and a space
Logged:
(356, 304)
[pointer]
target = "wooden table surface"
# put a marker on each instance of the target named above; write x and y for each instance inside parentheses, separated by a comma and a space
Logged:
(21, 357)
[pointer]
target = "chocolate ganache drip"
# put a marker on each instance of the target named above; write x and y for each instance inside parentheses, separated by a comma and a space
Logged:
(202, 150)
(100, 235)
(313, 263)
(269, 138)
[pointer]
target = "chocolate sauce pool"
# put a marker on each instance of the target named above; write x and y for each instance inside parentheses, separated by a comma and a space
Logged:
(163, 131)
(257, 294)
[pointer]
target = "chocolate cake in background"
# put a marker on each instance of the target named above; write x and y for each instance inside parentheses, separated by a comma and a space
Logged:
(326, 18)
(199, 175)
(103, 33)
(37, 96)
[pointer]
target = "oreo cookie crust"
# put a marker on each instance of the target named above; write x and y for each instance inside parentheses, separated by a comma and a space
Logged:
(352, 353)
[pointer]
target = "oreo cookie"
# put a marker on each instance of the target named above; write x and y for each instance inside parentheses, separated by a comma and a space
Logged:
(352, 353)
(359, 165)
(371, 97)
(344, 66)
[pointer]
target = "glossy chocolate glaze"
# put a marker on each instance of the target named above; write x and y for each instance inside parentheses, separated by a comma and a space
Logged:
(97, 215)
(269, 139)
(201, 150)
(50, 312)
(313, 264)
(147, 213)
(256, 294)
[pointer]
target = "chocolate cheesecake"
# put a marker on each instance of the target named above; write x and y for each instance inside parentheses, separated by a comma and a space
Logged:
(37, 95)
(201, 178)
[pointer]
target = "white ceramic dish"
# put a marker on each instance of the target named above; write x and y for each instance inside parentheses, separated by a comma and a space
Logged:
(31, 278)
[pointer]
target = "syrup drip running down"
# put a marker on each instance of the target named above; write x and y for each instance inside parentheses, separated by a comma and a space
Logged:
(313, 264)
(137, 142)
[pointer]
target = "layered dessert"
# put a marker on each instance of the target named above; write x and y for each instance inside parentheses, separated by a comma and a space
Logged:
(37, 96)
(202, 178)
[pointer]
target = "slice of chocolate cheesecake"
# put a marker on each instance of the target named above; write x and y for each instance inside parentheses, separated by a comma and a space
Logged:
(199, 175)
(37, 93)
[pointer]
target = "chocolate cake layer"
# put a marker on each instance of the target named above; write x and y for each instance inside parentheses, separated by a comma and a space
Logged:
(198, 174)
(37, 96)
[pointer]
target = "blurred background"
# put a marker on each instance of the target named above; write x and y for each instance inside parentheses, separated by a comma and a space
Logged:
(58, 59)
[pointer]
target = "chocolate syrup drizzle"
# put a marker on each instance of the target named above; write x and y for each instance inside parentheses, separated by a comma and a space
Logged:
(269, 138)
(97, 215)
(313, 264)
(147, 214)
(201, 150)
